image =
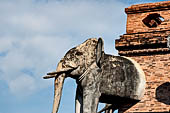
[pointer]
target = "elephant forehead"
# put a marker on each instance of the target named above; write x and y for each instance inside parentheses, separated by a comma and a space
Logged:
(88, 44)
(70, 53)
(82, 54)
(86, 48)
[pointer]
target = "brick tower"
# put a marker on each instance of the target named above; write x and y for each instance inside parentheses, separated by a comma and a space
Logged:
(146, 40)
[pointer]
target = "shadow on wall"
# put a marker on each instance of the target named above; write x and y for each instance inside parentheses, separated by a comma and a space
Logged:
(163, 93)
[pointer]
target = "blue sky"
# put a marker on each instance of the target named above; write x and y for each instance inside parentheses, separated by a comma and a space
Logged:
(35, 34)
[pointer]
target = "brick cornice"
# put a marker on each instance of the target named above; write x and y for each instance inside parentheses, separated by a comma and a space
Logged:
(143, 43)
(144, 52)
(148, 7)
(142, 40)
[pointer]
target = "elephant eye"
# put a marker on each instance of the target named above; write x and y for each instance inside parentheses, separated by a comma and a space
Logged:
(79, 53)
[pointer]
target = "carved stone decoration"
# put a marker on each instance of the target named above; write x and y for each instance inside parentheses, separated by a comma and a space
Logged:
(118, 81)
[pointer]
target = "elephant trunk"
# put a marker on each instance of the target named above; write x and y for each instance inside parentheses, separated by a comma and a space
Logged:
(60, 75)
(58, 86)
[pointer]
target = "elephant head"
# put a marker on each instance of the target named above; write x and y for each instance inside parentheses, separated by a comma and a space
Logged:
(74, 64)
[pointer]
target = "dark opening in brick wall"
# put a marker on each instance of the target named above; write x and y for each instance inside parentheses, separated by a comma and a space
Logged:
(163, 93)
(153, 20)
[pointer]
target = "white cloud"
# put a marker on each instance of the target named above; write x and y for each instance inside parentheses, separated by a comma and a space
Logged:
(63, 17)
(24, 84)
(35, 35)
(32, 56)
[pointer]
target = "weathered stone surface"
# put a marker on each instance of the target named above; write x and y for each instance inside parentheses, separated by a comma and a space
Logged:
(116, 80)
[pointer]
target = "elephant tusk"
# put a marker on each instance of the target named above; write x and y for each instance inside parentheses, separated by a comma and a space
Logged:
(53, 73)
(49, 76)
(57, 73)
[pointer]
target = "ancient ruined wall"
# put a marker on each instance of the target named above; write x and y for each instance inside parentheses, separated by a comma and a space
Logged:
(157, 96)
(147, 44)
(137, 13)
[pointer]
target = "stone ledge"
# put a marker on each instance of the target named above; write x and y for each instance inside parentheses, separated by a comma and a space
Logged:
(147, 40)
(144, 52)
(140, 8)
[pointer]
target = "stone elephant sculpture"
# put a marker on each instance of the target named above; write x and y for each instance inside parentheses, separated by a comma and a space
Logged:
(100, 77)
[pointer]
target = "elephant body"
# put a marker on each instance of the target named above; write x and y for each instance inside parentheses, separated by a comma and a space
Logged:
(121, 76)
(118, 82)
(115, 80)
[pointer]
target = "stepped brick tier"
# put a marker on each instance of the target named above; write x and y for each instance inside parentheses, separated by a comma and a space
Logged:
(146, 40)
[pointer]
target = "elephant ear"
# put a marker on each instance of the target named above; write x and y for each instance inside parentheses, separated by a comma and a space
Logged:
(99, 51)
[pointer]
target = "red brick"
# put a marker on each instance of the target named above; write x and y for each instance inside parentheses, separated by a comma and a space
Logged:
(148, 46)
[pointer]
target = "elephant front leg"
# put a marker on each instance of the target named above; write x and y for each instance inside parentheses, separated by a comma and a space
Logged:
(90, 101)
(79, 101)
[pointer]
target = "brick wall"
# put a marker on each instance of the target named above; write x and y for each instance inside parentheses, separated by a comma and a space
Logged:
(136, 13)
(157, 95)
(145, 43)
(148, 46)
